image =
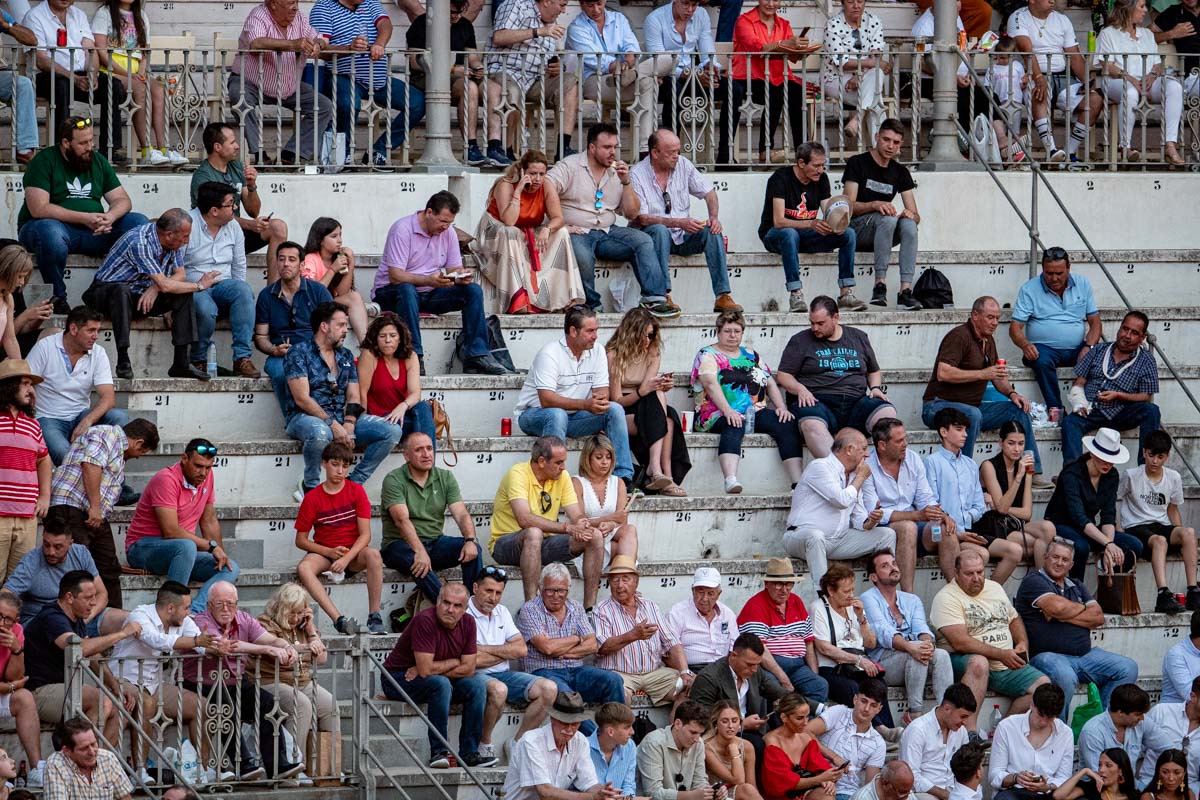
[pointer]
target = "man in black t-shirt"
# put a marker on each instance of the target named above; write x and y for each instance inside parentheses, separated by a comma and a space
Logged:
(791, 225)
(872, 180)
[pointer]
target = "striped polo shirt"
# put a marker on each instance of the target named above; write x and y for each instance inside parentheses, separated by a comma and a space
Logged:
(786, 636)
(339, 26)
(21, 445)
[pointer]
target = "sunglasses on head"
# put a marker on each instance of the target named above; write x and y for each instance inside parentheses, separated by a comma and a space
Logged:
(80, 124)
(495, 573)
(1054, 254)
(206, 449)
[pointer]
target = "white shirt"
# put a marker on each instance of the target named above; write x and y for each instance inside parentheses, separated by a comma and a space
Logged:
(703, 642)
(493, 630)
(847, 634)
(536, 761)
(908, 491)
(155, 640)
(1050, 38)
(960, 792)
(66, 393)
(824, 498)
(923, 29)
(45, 26)
(1012, 752)
(224, 253)
(555, 368)
(1005, 80)
(862, 749)
(923, 748)
(743, 688)
(1114, 44)
(684, 183)
(1142, 500)
(1164, 728)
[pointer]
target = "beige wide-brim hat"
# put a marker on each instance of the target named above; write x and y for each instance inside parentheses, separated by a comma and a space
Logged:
(836, 212)
(18, 368)
(1106, 445)
(779, 570)
(622, 564)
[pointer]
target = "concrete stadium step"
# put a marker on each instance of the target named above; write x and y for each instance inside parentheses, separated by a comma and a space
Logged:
(265, 472)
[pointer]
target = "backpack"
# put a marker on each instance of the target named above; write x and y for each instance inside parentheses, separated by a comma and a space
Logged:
(933, 290)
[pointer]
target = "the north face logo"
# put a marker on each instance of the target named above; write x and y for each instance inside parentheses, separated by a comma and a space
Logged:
(75, 190)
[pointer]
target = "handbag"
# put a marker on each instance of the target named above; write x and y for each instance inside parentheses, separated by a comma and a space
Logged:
(1116, 592)
(441, 428)
(994, 525)
(850, 671)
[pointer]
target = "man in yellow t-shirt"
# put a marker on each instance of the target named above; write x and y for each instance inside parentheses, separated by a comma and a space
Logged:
(988, 646)
(525, 526)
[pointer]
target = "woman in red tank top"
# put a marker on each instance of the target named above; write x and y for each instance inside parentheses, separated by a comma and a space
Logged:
(389, 376)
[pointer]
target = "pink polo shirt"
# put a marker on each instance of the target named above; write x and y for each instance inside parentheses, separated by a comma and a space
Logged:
(409, 248)
(169, 489)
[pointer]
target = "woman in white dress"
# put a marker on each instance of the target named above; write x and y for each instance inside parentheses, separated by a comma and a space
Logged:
(603, 497)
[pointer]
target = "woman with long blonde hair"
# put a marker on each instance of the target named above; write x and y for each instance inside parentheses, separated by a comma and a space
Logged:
(16, 265)
(728, 758)
(634, 381)
(522, 243)
(603, 496)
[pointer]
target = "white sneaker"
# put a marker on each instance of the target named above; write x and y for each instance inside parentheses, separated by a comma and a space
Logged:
(141, 777)
(304, 780)
(372, 309)
(177, 158)
(733, 485)
(156, 158)
(33, 780)
(298, 495)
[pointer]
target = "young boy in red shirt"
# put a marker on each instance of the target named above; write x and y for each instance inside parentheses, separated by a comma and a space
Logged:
(338, 514)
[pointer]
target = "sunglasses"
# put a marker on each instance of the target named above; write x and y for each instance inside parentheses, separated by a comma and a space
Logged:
(679, 784)
(599, 199)
(547, 501)
(83, 123)
(667, 202)
(1054, 254)
(206, 449)
(495, 573)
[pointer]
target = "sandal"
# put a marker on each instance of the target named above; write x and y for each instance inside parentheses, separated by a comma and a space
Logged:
(673, 490)
(1173, 157)
(659, 483)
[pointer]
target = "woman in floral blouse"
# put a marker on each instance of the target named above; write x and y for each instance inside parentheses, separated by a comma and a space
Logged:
(855, 69)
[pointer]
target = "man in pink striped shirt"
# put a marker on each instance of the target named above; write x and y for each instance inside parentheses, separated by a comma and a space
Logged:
(273, 45)
(25, 465)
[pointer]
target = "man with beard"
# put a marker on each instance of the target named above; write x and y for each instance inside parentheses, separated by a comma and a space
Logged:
(25, 488)
(63, 212)
(324, 401)
(144, 276)
(832, 378)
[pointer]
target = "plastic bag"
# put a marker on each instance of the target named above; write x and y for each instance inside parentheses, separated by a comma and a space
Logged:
(334, 151)
(1092, 708)
(624, 289)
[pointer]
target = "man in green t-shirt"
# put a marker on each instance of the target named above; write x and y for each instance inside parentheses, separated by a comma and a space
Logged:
(222, 165)
(415, 499)
(66, 188)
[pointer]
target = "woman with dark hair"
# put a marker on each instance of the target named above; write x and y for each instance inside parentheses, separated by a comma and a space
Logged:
(330, 263)
(1008, 526)
(389, 377)
(1112, 780)
(794, 765)
(1170, 781)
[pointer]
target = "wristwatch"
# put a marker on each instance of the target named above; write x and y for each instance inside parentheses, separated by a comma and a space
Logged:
(212, 545)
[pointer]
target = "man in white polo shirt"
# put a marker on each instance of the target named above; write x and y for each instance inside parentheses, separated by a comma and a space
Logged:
(566, 390)
(497, 641)
(73, 367)
(704, 626)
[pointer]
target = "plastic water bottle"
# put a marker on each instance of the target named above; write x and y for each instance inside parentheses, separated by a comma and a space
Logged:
(935, 532)
(212, 359)
(995, 720)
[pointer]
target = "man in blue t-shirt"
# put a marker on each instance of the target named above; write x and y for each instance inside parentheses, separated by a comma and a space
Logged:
(36, 578)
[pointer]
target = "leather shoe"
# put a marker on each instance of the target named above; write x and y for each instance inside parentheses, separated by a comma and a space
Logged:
(484, 365)
(244, 368)
(187, 371)
(124, 370)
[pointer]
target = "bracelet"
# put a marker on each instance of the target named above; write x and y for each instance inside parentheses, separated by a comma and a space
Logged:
(1010, 394)
(16, 652)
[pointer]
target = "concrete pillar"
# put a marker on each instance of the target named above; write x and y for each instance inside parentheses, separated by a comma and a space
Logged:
(944, 138)
(438, 156)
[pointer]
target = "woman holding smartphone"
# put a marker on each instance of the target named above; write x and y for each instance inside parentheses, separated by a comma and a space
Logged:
(794, 764)
(331, 263)
(728, 757)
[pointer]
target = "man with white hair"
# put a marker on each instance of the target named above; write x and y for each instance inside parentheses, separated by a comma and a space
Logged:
(555, 760)
(704, 626)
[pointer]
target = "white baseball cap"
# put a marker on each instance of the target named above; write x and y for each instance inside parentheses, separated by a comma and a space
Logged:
(708, 577)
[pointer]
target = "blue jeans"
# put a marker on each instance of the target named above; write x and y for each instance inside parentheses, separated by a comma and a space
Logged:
(274, 369)
(730, 11)
(562, 423)
(52, 241)
(404, 300)
(987, 416)
(17, 91)
(702, 241)
(438, 692)
(791, 242)
(594, 684)
(1045, 371)
(57, 432)
(1144, 416)
(621, 244)
(349, 102)
(375, 435)
(1106, 670)
(804, 680)
(234, 299)
(443, 554)
(1085, 545)
(179, 560)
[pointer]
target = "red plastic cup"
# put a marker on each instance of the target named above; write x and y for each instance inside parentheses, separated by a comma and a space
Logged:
(1001, 362)
(506, 426)
(726, 238)
(1056, 414)
(62, 37)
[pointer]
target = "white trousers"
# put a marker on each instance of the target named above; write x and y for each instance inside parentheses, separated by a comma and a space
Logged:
(817, 547)
(867, 97)
(1166, 92)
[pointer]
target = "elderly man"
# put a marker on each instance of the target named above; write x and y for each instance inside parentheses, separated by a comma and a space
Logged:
(1059, 616)
(87, 486)
(56, 221)
(665, 183)
(555, 760)
(931, 741)
(20, 706)
(223, 146)
(1055, 322)
(497, 643)
(27, 466)
(736, 677)
(965, 364)
(566, 390)
(1172, 726)
(523, 66)
(144, 276)
(988, 646)
(81, 768)
(1114, 387)
(220, 678)
(421, 272)
(72, 367)
(175, 532)
(593, 187)
(273, 78)
(635, 641)
(217, 244)
(905, 648)
(416, 498)
(705, 627)
(894, 782)
(819, 526)
(778, 618)
(559, 637)
(434, 663)
(677, 29)
(899, 487)
(38, 575)
(670, 761)
(832, 378)
(324, 400)
(525, 526)
(1119, 726)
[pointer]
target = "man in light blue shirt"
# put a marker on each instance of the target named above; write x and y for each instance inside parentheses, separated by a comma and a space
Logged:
(612, 749)
(1055, 321)
(1120, 726)
(36, 577)
(612, 71)
(217, 244)
(697, 70)
(954, 477)
(1181, 665)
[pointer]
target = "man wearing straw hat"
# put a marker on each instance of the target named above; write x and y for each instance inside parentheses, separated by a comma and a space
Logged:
(25, 490)
(556, 759)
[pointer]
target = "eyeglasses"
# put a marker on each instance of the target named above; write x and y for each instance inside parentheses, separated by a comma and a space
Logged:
(554, 591)
(223, 603)
(599, 199)
(7, 620)
(547, 501)
(230, 204)
(206, 449)
(493, 572)
(80, 124)
(667, 202)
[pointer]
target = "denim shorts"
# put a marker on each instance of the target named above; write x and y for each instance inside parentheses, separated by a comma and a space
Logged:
(555, 548)
(840, 411)
(519, 684)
